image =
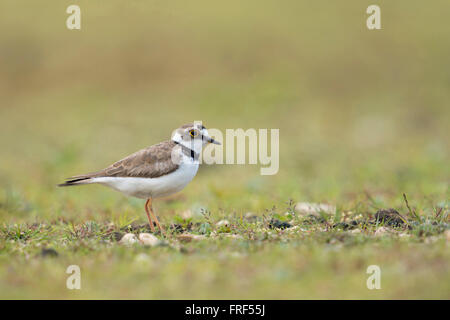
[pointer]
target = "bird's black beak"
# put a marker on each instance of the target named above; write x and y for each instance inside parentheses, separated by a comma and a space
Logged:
(211, 140)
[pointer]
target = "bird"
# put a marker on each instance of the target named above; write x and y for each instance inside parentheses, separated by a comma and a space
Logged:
(156, 171)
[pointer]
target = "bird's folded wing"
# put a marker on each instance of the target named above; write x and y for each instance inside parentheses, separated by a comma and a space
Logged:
(152, 162)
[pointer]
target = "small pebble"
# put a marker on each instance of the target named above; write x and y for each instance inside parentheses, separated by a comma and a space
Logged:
(128, 239)
(306, 208)
(381, 231)
(221, 223)
(147, 239)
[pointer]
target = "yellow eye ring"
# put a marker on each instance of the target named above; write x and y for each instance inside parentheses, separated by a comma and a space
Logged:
(193, 133)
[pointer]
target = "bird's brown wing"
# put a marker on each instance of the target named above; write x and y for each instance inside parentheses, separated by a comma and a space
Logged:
(151, 162)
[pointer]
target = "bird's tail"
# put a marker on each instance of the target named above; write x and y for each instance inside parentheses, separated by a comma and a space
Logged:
(76, 181)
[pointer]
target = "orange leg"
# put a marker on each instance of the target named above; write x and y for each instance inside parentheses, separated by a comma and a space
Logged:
(150, 222)
(155, 218)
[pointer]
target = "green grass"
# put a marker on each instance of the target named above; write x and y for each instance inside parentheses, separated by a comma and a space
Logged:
(311, 260)
(363, 118)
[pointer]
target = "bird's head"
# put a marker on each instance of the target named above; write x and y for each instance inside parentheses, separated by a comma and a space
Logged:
(193, 136)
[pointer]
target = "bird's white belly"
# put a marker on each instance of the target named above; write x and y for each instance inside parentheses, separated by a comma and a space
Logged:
(152, 187)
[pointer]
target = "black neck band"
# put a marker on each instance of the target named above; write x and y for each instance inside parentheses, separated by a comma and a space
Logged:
(187, 151)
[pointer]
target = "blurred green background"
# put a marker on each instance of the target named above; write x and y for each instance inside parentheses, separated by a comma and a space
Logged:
(360, 112)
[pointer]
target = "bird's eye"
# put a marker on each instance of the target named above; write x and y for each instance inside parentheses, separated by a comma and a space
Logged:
(193, 133)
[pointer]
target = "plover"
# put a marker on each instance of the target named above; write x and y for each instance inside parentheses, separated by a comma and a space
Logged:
(157, 171)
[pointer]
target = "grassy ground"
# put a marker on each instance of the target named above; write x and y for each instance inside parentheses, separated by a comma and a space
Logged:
(363, 118)
(246, 259)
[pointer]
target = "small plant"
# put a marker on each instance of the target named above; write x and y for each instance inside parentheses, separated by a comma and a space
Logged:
(291, 209)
